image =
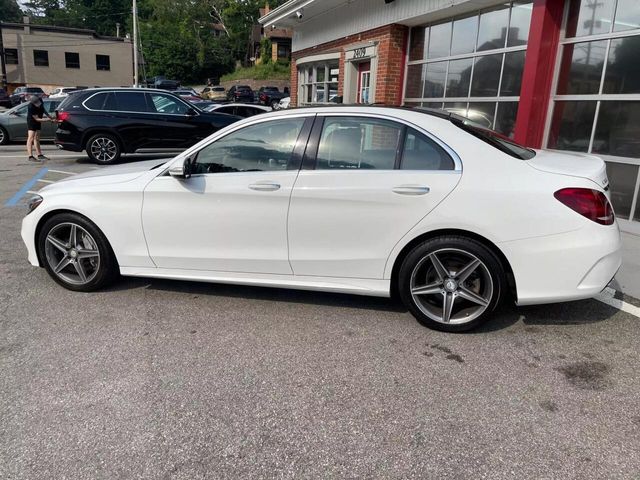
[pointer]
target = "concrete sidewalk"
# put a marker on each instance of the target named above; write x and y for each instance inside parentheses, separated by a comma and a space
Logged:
(627, 280)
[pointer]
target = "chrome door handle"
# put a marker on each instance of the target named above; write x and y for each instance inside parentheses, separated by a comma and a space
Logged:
(411, 189)
(265, 186)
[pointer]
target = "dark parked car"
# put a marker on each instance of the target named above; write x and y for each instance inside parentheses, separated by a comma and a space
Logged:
(5, 100)
(240, 93)
(22, 94)
(108, 122)
(240, 109)
(270, 96)
(13, 123)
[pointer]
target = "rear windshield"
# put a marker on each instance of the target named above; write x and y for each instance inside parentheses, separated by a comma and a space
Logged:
(218, 89)
(33, 90)
(495, 139)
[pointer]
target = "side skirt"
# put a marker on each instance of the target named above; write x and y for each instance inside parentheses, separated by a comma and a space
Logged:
(356, 286)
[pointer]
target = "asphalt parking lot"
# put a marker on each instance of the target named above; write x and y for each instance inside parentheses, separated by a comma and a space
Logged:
(160, 379)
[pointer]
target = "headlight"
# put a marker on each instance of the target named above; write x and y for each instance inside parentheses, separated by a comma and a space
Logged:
(34, 202)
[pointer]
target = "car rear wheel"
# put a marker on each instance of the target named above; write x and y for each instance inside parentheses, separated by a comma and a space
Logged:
(76, 254)
(103, 148)
(451, 283)
(4, 136)
(275, 104)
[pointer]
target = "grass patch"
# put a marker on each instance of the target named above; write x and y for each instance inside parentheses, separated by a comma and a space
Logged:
(269, 71)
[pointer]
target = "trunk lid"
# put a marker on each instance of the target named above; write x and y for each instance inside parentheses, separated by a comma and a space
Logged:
(572, 164)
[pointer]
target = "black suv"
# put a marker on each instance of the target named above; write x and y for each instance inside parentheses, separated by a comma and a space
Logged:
(108, 122)
(240, 93)
(270, 96)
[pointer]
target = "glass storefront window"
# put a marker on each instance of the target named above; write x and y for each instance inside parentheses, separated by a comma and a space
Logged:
(435, 79)
(486, 76)
(623, 68)
(506, 118)
(494, 25)
(492, 44)
(512, 73)
(439, 40)
(318, 83)
(520, 22)
(571, 125)
(589, 17)
(618, 129)
(627, 15)
(464, 35)
(581, 69)
(459, 78)
(622, 179)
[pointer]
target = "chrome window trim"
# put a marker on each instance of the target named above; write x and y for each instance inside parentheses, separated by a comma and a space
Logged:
(195, 109)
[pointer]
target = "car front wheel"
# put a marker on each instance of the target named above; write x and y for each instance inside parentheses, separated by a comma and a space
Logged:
(104, 148)
(76, 254)
(451, 283)
(4, 136)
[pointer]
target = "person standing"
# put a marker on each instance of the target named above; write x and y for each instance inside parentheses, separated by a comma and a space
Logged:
(36, 115)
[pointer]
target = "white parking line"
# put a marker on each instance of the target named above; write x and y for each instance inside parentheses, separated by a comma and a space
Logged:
(607, 296)
(63, 172)
(46, 181)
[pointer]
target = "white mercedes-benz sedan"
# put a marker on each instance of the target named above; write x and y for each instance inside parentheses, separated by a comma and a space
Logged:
(452, 217)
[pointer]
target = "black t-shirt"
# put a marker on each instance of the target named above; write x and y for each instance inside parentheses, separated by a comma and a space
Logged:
(35, 110)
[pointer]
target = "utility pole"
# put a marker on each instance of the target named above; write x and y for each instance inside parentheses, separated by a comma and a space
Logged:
(3, 66)
(135, 44)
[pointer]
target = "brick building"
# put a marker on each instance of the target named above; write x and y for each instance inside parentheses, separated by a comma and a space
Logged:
(557, 74)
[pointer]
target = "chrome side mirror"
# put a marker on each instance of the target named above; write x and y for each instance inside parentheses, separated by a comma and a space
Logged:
(182, 171)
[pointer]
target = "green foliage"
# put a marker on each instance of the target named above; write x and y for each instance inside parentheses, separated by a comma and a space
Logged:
(265, 50)
(176, 35)
(10, 11)
(270, 71)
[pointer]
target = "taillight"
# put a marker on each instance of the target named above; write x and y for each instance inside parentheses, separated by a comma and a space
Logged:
(589, 203)
(62, 116)
(263, 96)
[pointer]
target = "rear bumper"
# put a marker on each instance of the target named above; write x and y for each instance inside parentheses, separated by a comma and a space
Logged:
(73, 147)
(569, 266)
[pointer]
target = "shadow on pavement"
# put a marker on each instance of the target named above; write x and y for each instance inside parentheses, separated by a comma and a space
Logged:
(559, 314)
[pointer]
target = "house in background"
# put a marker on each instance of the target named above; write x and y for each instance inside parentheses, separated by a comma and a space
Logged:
(50, 57)
(280, 39)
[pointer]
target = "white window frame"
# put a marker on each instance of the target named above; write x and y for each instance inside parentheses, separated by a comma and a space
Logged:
(304, 85)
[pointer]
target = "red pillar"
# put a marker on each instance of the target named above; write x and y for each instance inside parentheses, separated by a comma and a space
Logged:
(537, 77)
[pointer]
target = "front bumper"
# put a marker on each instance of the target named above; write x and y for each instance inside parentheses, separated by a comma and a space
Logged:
(568, 266)
(28, 234)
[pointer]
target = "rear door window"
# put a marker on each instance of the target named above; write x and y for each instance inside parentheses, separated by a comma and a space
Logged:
(131, 102)
(349, 143)
(422, 153)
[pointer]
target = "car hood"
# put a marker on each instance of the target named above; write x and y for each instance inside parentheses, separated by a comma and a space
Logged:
(115, 174)
(571, 164)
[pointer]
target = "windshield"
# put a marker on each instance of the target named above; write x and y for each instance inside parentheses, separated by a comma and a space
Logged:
(494, 139)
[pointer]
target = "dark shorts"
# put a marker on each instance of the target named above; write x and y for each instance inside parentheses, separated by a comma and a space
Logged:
(34, 126)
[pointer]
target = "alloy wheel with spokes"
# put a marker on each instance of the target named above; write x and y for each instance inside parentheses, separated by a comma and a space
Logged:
(103, 148)
(72, 253)
(4, 137)
(76, 253)
(451, 283)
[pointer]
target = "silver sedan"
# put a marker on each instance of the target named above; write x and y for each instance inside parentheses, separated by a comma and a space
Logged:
(13, 123)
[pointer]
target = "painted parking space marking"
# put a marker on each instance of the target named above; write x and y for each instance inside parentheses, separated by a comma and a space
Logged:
(607, 296)
(45, 181)
(26, 187)
(62, 172)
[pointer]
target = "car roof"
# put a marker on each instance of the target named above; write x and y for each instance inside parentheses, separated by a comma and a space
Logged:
(238, 104)
(126, 89)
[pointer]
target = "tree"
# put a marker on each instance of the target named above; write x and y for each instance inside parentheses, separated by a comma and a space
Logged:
(10, 11)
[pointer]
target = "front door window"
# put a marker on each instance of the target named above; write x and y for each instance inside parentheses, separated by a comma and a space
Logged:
(364, 82)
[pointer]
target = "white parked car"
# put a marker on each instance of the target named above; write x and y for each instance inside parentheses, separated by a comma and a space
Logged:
(62, 92)
(243, 110)
(362, 200)
(284, 103)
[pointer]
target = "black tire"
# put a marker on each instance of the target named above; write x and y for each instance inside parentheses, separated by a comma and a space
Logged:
(103, 148)
(105, 266)
(470, 298)
(4, 136)
(275, 104)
